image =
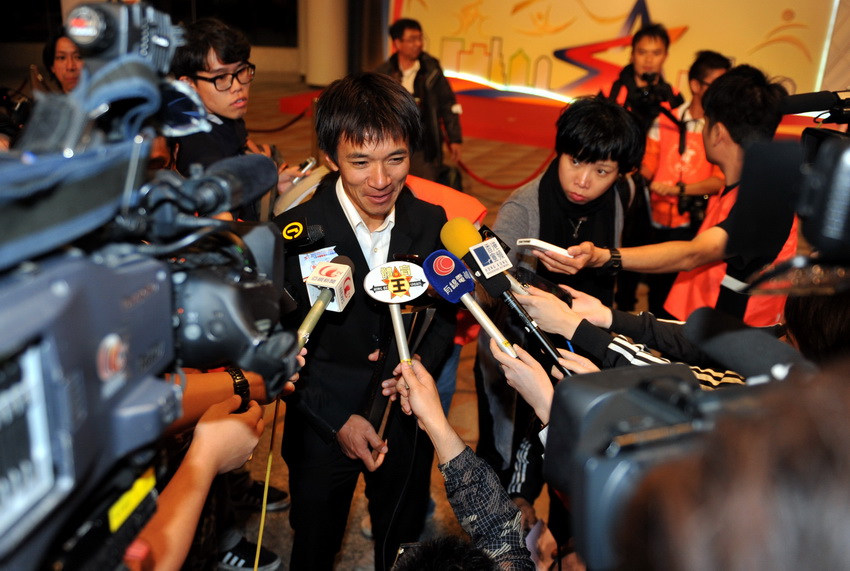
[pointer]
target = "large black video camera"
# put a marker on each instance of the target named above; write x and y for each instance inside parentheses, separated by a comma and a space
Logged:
(109, 279)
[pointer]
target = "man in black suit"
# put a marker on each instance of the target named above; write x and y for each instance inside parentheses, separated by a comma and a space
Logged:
(367, 126)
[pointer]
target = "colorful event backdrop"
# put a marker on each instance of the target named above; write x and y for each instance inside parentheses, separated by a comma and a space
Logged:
(575, 47)
(503, 55)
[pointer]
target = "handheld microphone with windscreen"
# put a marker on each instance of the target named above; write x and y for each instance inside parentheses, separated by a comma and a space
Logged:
(395, 283)
(450, 278)
(488, 262)
(329, 286)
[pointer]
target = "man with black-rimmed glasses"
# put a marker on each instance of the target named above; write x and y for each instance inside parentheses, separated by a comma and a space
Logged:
(215, 62)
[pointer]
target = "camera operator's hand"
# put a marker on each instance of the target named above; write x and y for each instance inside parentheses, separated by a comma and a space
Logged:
(227, 440)
(357, 439)
(222, 442)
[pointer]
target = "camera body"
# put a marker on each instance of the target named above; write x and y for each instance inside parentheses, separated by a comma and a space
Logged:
(608, 429)
(109, 280)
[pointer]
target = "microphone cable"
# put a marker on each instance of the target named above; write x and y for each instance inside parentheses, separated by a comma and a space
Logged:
(403, 488)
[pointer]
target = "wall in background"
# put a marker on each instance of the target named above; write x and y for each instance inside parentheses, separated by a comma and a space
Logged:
(575, 47)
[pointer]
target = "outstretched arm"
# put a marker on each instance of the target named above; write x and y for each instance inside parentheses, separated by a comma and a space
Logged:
(666, 257)
(221, 442)
(479, 501)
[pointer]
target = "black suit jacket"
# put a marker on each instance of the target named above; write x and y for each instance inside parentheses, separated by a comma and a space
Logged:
(337, 380)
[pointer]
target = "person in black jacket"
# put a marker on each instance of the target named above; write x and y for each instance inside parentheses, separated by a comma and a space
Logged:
(421, 74)
(367, 126)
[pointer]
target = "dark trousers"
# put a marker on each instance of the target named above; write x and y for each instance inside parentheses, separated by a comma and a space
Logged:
(322, 482)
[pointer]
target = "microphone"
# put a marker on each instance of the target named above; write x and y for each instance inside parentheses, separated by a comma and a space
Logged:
(329, 286)
(232, 182)
(488, 262)
(298, 234)
(459, 235)
(808, 102)
(453, 282)
(741, 348)
(395, 283)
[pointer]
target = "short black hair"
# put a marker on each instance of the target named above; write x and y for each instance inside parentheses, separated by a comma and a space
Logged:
(747, 104)
(446, 553)
(365, 107)
(228, 43)
(820, 325)
(657, 31)
(594, 129)
(707, 61)
(399, 26)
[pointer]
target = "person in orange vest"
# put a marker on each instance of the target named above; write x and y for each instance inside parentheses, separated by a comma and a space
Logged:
(679, 175)
(741, 107)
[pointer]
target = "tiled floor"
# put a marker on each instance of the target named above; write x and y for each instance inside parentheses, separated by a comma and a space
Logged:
(496, 162)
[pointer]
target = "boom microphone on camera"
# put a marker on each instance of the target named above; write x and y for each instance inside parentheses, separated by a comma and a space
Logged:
(234, 182)
(811, 102)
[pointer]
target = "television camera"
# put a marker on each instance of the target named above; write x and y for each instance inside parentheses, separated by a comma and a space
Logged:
(111, 277)
(609, 429)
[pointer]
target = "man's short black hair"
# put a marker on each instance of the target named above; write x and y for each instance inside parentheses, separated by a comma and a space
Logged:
(399, 26)
(595, 129)
(447, 553)
(203, 35)
(657, 31)
(708, 61)
(366, 107)
(747, 104)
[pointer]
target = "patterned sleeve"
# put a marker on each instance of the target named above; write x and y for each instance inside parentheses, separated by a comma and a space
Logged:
(485, 511)
(619, 351)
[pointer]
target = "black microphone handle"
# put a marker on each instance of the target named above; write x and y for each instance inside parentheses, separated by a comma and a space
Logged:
(532, 328)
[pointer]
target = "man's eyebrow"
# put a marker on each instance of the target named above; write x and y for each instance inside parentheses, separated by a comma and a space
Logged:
(220, 70)
(362, 155)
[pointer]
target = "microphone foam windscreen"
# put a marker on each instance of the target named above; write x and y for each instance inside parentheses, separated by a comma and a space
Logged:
(447, 274)
(344, 260)
(458, 235)
(253, 175)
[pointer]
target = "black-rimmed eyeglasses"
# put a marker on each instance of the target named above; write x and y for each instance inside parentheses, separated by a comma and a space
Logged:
(223, 82)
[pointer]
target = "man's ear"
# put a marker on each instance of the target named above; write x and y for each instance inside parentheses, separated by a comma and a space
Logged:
(722, 133)
(694, 85)
(331, 164)
(187, 79)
